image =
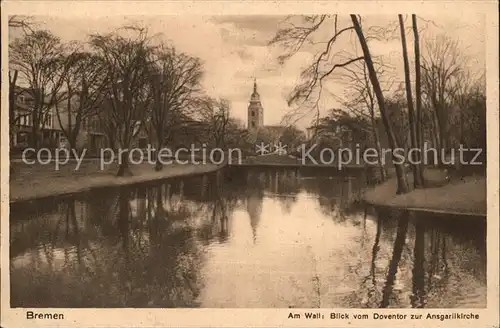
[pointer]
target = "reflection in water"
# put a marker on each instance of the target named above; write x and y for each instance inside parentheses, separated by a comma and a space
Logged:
(256, 238)
(418, 281)
(370, 281)
(396, 257)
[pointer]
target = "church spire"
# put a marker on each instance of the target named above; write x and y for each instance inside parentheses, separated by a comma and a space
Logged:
(255, 110)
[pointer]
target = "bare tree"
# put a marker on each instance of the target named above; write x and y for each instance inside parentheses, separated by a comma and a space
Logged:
(469, 100)
(13, 93)
(174, 84)
(417, 182)
(43, 63)
(441, 65)
(295, 37)
(396, 109)
(21, 22)
(362, 103)
(126, 60)
(104, 117)
(216, 113)
(418, 97)
(400, 172)
(84, 85)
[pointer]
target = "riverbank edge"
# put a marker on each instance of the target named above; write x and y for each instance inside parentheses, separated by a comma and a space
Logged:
(369, 198)
(98, 182)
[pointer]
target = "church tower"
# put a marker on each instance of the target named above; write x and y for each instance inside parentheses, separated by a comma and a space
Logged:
(255, 110)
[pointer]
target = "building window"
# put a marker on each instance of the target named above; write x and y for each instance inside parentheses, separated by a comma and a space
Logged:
(253, 113)
(48, 121)
(24, 120)
(253, 124)
(21, 99)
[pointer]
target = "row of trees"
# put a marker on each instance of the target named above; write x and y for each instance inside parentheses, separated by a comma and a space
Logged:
(127, 79)
(443, 103)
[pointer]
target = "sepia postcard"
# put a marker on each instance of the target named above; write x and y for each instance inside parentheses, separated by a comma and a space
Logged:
(250, 164)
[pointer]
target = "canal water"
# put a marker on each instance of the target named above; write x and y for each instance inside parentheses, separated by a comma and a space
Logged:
(243, 238)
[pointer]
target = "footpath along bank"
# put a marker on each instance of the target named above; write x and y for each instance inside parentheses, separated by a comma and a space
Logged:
(462, 196)
(37, 181)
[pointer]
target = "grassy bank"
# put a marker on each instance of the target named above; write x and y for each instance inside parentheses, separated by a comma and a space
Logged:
(37, 181)
(461, 196)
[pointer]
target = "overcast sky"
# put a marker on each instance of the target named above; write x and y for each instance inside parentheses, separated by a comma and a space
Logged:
(235, 49)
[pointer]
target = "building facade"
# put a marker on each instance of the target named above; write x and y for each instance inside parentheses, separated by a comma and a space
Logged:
(22, 120)
(90, 134)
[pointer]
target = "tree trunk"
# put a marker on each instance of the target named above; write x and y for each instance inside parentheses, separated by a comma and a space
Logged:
(417, 183)
(434, 131)
(12, 107)
(123, 167)
(443, 117)
(125, 141)
(34, 131)
(158, 163)
(418, 96)
(37, 117)
(376, 135)
(400, 172)
(440, 129)
(70, 135)
(383, 173)
(71, 144)
(376, 139)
